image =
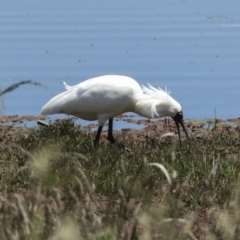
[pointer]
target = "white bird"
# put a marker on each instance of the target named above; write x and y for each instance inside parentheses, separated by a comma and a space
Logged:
(102, 98)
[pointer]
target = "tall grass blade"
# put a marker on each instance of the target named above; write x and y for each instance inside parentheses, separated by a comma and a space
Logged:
(164, 170)
(16, 85)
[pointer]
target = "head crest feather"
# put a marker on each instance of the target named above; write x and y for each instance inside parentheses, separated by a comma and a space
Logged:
(155, 97)
(155, 92)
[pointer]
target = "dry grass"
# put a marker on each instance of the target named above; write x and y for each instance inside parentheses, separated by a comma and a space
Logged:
(55, 185)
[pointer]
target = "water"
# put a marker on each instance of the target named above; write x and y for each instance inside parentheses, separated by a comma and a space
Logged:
(192, 47)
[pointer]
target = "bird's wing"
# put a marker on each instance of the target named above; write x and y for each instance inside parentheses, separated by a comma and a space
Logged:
(103, 99)
(93, 99)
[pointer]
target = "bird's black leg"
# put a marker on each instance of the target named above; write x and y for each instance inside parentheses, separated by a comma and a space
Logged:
(96, 140)
(110, 137)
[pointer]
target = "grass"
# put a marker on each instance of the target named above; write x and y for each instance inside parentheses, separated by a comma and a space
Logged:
(55, 185)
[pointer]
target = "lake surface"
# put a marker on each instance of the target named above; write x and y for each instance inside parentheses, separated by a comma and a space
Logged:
(192, 47)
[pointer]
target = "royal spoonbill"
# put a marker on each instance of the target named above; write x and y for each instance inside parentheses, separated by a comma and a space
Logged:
(102, 98)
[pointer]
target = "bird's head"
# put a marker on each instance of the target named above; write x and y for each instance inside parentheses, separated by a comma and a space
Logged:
(178, 118)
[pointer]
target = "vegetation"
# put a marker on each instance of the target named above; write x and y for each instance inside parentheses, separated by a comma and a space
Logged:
(55, 185)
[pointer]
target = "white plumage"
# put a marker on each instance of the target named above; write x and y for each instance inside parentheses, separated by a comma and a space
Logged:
(103, 98)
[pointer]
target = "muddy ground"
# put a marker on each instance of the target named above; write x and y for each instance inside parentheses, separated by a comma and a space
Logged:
(12, 126)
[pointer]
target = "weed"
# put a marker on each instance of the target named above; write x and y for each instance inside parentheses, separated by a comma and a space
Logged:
(55, 185)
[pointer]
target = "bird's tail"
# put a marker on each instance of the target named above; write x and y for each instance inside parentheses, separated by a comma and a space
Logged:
(56, 104)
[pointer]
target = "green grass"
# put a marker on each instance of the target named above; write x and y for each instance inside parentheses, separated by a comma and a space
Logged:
(55, 185)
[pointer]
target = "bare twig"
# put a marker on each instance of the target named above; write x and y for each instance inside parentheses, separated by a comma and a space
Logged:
(42, 123)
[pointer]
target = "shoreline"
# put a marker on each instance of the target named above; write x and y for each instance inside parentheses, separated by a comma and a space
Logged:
(11, 127)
